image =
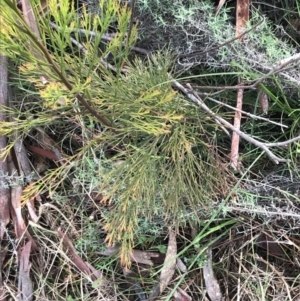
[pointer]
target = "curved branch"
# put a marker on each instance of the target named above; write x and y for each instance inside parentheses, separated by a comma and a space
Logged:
(264, 146)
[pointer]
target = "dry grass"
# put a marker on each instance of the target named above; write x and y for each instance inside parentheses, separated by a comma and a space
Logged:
(255, 260)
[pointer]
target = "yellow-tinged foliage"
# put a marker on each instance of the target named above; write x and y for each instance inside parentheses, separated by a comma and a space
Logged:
(54, 95)
(163, 143)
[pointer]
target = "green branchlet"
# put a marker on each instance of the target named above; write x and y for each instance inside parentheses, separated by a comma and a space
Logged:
(165, 162)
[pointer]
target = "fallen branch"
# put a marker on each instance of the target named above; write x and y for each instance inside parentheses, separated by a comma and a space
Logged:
(4, 189)
(278, 67)
(194, 97)
(255, 117)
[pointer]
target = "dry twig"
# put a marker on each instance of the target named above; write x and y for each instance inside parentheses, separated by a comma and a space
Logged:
(242, 16)
(194, 97)
(255, 117)
(4, 191)
(279, 66)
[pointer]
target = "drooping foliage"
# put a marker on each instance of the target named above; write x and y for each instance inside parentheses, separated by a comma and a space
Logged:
(146, 149)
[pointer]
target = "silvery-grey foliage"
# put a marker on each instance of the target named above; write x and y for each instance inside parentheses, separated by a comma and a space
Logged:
(9, 181)
(191, 26)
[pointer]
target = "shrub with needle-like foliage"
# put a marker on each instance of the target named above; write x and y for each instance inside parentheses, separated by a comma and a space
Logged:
(164, 160)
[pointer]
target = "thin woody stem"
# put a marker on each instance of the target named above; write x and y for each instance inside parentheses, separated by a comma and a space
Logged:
(264, 146)
(44, 50)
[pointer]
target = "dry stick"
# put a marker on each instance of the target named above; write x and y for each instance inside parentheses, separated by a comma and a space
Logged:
(235, 140)
(198, 101)
(236, 87)
(4, 191)
(279, 66)
(239, 276)
(284, 143)
(265, 212)
(220, 5)
(246, 113)
(222, 127)
(242, 16)
(30, 20)
(271, 71)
